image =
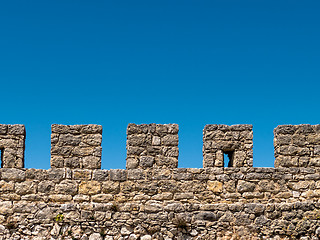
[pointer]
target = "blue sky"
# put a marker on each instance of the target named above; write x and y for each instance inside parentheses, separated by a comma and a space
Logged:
(186, 62)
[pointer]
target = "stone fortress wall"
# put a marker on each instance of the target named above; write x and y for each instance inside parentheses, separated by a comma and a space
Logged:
(153, 198)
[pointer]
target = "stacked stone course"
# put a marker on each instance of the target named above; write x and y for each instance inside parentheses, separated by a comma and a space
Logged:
(75, 199)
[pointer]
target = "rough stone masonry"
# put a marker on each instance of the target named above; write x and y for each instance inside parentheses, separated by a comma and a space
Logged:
(153, 198)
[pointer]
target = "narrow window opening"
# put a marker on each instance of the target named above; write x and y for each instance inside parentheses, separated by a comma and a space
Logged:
(1, 157)
(228, 158)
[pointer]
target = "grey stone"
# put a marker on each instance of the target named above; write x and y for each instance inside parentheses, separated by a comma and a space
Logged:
(118, 175)
(244, 186)
(100, 175)
(146, 161)
(206, 215)
(13, 174)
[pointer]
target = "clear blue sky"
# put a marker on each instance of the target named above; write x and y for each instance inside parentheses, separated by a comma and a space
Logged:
(186, 62)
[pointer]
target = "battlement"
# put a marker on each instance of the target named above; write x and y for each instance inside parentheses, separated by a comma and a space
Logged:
(153, 198)
(156, 146)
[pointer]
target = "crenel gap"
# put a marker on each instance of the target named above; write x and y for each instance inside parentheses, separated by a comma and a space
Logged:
(228, 158)
(1, 157)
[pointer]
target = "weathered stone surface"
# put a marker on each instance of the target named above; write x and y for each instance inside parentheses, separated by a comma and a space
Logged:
(234, 141)
(26, 187)
(102, 198)
(76, 146)
(159, 201)
(89, 187)
(118, 175)
(110, 187)
(296, 145)
(244, 186)
(13, 174)
(12, 144)
(67, 186)
(215, 186)
(152, 146)
(95, 236)
(100, 175)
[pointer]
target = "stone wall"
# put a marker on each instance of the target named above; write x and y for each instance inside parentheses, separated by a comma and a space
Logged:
(76, 146)
(158, 201)
(152, 146)
(234, 141)
(297, 146)
(12, 142)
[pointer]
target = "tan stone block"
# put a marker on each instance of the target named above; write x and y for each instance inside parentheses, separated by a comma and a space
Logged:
(99, 216)
(314, 139)
(35, 197)
(89, 187)
(230, 186)
(311, 194)
(283, 195)
(10, 197)
(72, 215)
(92, 139)
(81, 174)
(6, 186)
(83, 151)
(5, 207)
(102, 198)
(153, 207)
(69, 140)
(315, 161)
(239, 158)
(300, 185)
(127, 186)
(57, 161)
(208, 160)
(67, 187)
(81, 198)
(110, 187)
(183, 196)
(215, 186)
(170, 140)
(26, 187)
(91, 162)
(60, 198)
(132, 163)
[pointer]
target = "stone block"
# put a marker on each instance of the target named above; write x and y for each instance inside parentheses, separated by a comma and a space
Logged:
(110, 187)
(215, 186)
(27, 187)
(100, 175)
(69, 187)
(89, 187)
(118, 175)
(102, 198)
(13, 174)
